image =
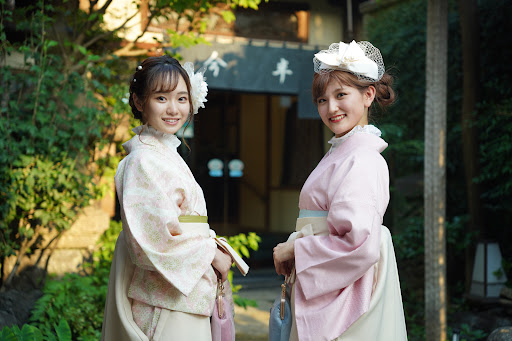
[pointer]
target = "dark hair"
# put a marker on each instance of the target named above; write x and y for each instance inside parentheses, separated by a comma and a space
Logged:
(384, 93)
(156, 74)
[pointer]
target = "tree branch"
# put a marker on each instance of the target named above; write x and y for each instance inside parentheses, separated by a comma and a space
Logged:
(61, 45)
(57, 236)
(25, 245)
(151, 17)
(106, 34)
(126, 51)
(103, 9)
(90, 23)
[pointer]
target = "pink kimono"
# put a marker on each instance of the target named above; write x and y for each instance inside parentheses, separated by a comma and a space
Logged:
(335, 273)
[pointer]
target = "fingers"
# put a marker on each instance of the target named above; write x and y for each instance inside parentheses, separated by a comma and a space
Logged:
(278, 268)
(222, 263)
(283, 259)
(222, 275)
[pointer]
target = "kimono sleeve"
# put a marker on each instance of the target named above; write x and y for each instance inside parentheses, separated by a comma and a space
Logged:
(150, 201)
(358, 194)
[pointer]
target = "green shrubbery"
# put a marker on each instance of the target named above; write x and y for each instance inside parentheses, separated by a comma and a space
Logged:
(55, 120)
(79, 298)
(61, 102)
(61, 332)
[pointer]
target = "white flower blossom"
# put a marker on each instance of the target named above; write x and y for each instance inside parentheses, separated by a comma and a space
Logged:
(199, 87)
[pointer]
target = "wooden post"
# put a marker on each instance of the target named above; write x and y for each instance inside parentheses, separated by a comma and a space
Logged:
(435, 171)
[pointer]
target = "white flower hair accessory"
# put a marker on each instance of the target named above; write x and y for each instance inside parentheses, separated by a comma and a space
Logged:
(199, 87)
(361, 59)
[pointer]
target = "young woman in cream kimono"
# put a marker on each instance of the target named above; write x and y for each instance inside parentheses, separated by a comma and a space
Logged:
(340, 261)
(163, 279)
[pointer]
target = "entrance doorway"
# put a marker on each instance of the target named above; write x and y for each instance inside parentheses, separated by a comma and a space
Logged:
(277, 150)
(217, 136)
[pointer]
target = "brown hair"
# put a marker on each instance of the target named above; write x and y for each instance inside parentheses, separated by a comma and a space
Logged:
(157, 74)
(384, 93)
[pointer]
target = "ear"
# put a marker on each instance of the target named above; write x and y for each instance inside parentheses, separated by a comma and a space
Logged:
(369, 96)
(138, 103)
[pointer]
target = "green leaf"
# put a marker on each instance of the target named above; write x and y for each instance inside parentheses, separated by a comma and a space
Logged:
(27, 333)
(82, 50)
(228, 16)
(63, 331)
(7, 335)
(244, 251)
(51, 43)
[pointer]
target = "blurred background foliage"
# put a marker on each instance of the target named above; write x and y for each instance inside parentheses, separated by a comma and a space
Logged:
(60, 107)
(400, 33)
(59, 111)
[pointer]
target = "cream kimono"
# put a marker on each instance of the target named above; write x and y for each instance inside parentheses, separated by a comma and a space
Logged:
(172, 267)
(339, 272)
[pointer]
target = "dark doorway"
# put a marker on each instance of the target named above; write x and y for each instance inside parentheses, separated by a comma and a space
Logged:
(217, 136)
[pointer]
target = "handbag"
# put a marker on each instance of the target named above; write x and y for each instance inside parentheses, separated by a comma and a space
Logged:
(222, 322)
(280, 321)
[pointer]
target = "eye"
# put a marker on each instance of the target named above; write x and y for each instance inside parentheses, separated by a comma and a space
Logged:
(183, 99)
(339, 95)
(161, 98)
(320, 100)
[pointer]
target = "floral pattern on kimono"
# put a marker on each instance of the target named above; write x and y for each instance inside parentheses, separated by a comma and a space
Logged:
(173, 268)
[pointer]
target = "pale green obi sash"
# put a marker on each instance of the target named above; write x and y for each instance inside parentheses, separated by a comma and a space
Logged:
(202, 219)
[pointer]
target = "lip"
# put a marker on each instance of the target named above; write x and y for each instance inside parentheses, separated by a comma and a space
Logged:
(171, 121)
(337, 118)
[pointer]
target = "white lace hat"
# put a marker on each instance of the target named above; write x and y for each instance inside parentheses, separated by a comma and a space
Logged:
(361, 59)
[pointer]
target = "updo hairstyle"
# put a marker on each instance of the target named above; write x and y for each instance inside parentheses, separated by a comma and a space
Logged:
(156, 74)
(384, 93)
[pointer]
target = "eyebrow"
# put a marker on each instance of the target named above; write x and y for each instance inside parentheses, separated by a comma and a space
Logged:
(167, 92)
(340, 89)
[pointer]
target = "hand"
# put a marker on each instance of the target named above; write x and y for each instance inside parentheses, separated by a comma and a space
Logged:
(284, 256)
(222, 263)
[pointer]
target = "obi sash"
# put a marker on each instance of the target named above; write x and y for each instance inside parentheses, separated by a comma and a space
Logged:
(309, 223)
(199, 224)
(384, 318)
(118, 323)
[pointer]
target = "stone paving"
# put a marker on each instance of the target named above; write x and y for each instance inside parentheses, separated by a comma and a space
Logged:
(263, 286)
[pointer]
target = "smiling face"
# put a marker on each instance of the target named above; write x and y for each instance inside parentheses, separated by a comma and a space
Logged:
(166, 110)
(342, 106)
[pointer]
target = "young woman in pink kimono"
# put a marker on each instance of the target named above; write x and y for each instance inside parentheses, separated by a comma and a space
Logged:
(163, 280)
(340, 261)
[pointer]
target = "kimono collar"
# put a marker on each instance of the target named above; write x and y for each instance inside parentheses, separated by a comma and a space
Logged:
(368, 129)
(147, 133)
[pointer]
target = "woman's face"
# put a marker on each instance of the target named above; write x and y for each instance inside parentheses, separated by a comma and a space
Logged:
(342, 107)
(166, 111)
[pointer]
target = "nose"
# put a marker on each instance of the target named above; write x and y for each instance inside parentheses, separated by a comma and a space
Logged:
(172, 108)
(333, 107)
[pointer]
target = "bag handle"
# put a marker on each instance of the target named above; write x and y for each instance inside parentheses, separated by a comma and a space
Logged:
(283, 297)
(220, 302)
